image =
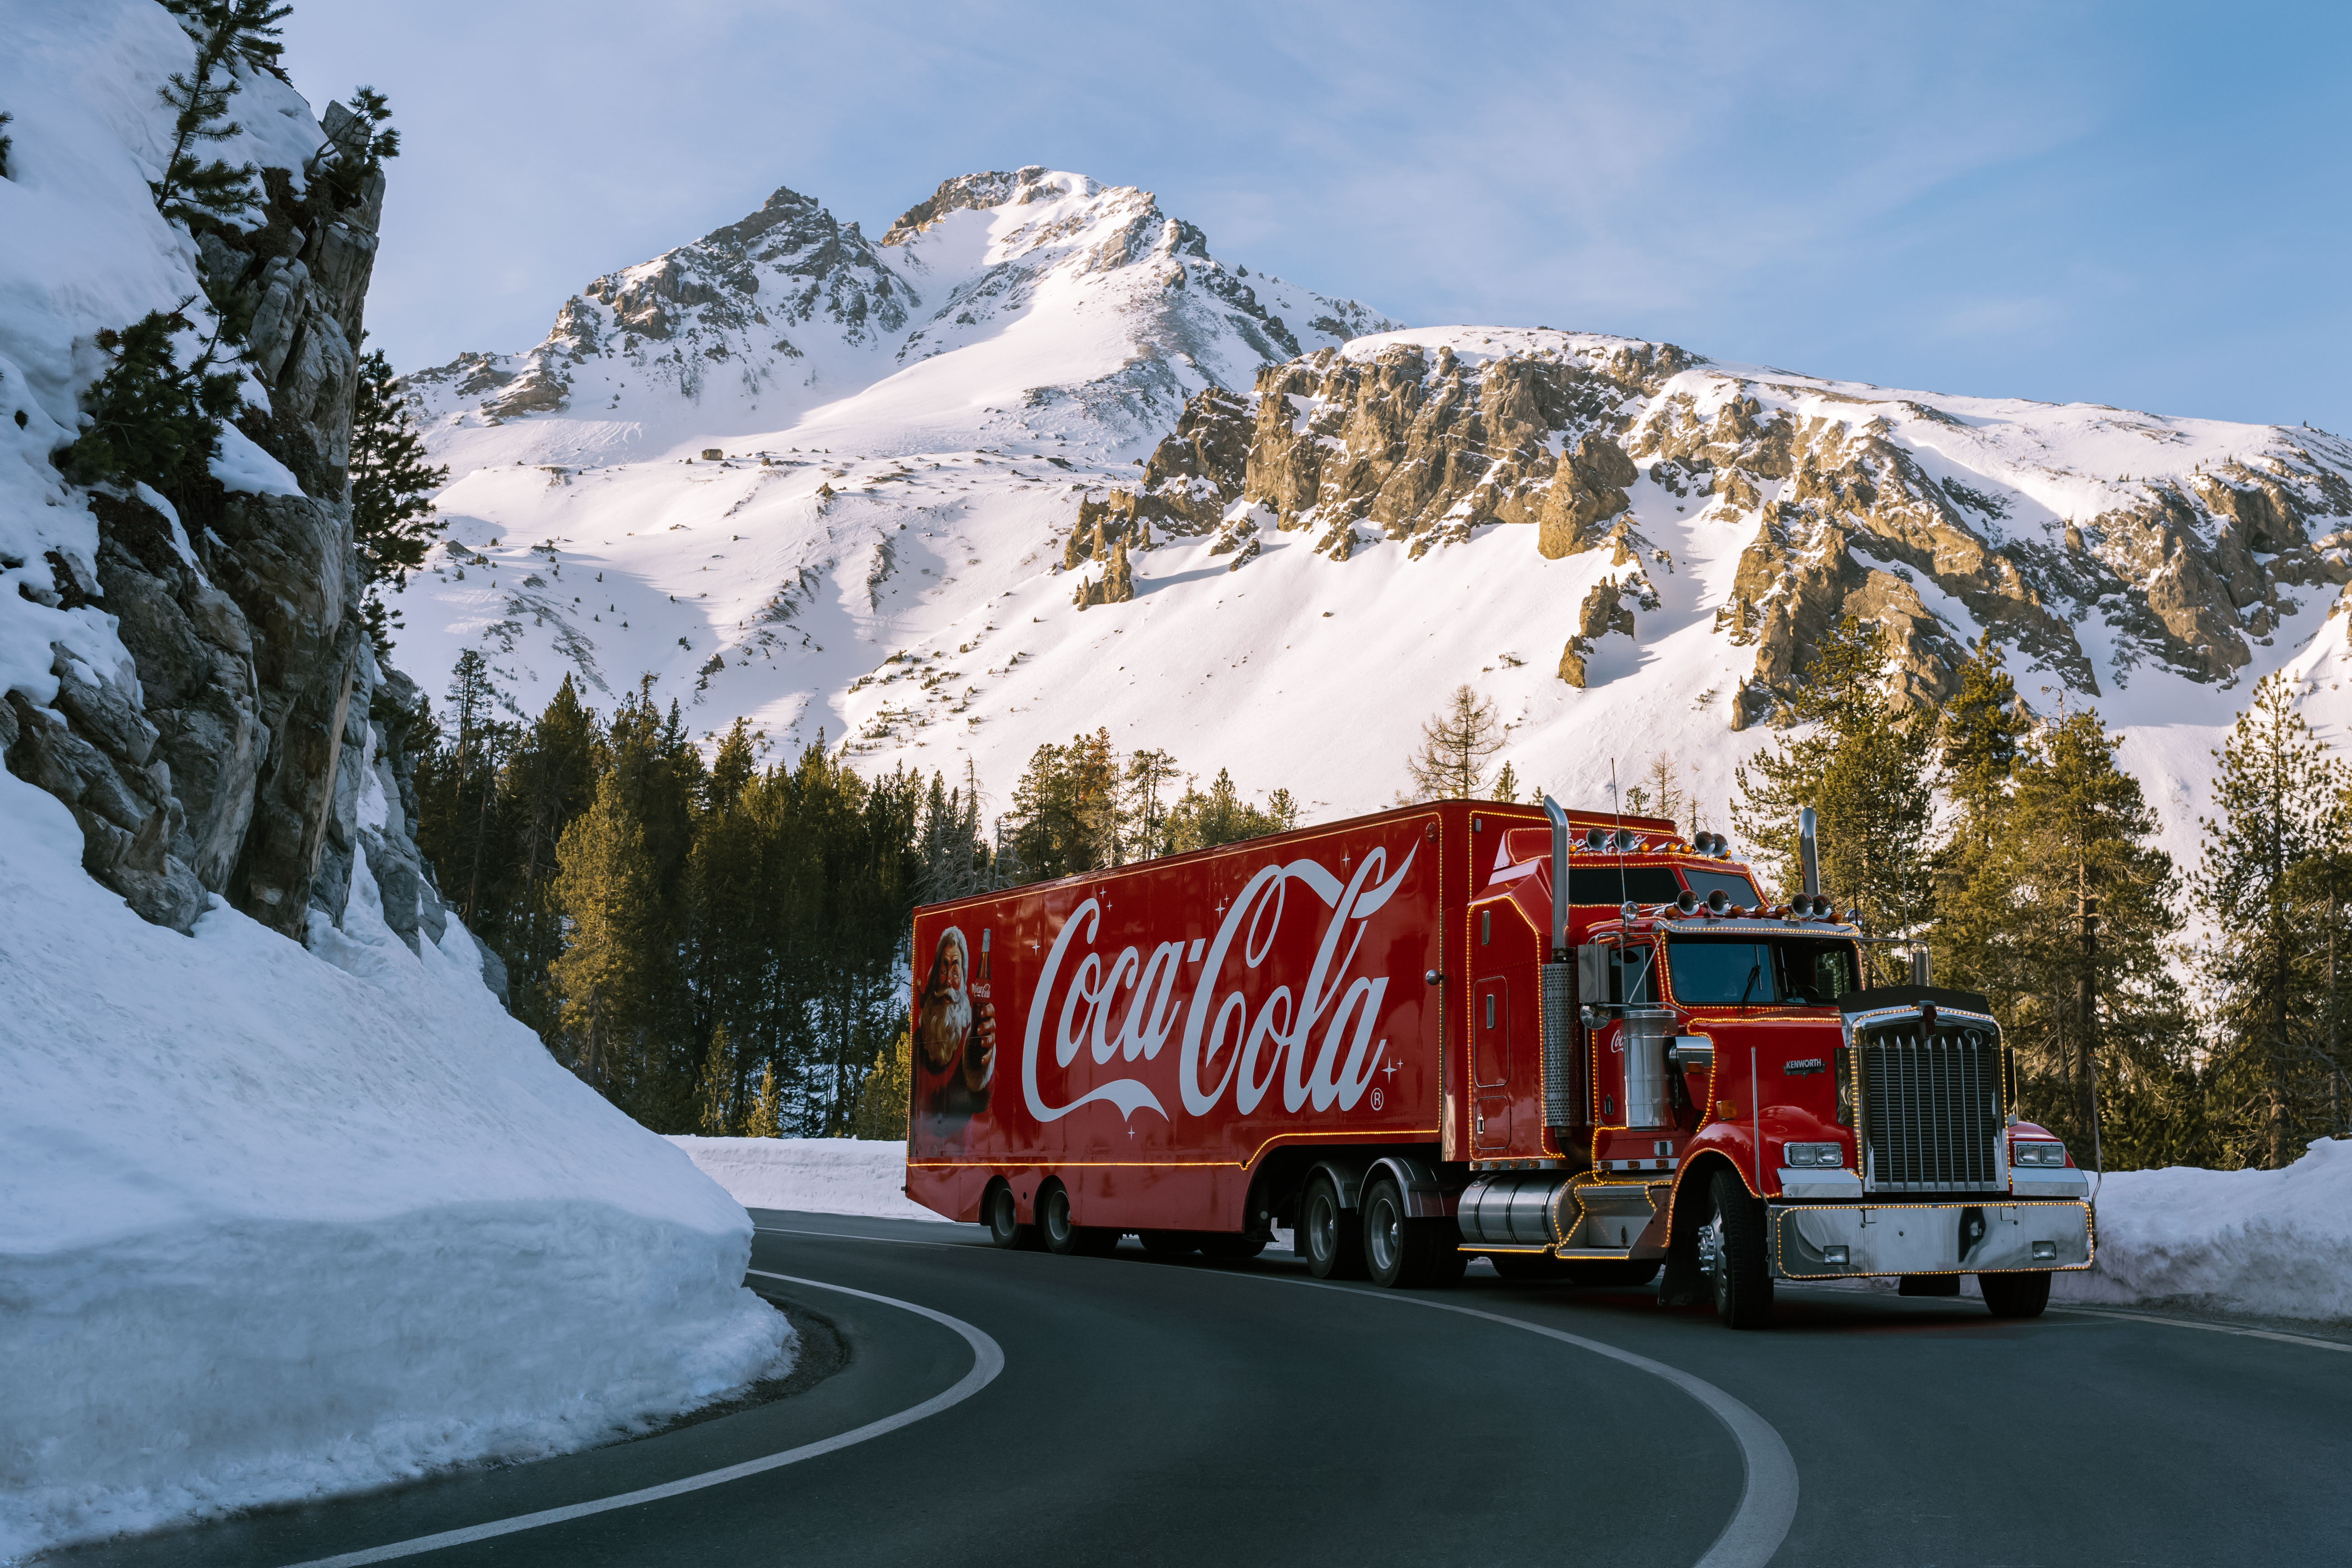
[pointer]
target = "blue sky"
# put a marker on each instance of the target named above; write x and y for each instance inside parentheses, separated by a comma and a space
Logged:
(2140, 204)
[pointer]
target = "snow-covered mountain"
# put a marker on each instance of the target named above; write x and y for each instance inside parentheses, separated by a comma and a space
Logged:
(1036, 462)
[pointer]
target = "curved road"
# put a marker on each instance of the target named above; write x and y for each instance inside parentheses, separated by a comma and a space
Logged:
(1151, 1411)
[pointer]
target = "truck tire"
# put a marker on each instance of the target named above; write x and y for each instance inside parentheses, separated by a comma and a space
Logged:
(998, 1212)
(1403, 1252)
(1334, 1242)
(1731, 1254)
(2015, 1295)
(1065, 1238)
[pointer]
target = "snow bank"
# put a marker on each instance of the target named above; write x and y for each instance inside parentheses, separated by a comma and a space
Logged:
(819, 1175)
(273, 1227)
(2271, 1243)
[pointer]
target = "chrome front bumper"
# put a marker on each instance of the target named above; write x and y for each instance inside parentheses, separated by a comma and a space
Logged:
(1837, 1241)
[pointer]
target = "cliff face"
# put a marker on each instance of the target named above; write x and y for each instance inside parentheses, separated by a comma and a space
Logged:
(222, 753)
(1935, 521)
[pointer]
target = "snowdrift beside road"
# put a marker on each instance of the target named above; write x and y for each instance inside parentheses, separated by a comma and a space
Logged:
(274, 1227)
(2274, 1243)
(815, 1175)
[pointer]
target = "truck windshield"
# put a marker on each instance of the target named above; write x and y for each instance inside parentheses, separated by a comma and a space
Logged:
(1727, 972)
(1739, 889)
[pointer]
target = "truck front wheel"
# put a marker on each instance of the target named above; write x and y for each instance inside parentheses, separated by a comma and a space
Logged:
(1731, 1254)
(2015, 1295)
(1402, 1251)
(1335, 1246)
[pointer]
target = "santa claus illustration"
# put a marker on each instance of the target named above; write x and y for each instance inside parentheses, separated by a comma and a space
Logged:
(955, 1035)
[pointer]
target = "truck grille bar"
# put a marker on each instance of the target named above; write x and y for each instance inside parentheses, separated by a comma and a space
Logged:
(1931, 1107)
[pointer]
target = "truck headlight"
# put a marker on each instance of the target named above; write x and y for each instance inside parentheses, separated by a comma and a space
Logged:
(2037, 1153)
(1815, 1154)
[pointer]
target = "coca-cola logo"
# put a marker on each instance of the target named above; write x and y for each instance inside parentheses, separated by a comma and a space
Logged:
(1235, 1037)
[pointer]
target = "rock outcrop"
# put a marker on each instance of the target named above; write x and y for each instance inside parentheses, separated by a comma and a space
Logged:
(231, 756)
(1855, 503)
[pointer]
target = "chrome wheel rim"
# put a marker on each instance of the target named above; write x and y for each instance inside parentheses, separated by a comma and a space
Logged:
(1385, 1233)
(1057, 1217)
(1711, 1260)
(1322, 1230)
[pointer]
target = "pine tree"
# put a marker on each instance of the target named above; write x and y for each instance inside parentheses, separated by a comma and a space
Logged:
(1067, 812)
(2274, 802)
(1867, 769)
(347, 160)
(715, 1094)
(153, 418)
(882, 1097)
(1454, 745)
(548, 778)
(766, 1117)
(1204, 819)
(392, 518)
(7, 145)
(1981, 734)
(1150, 781)
(194, 194)
(1506, 786)
(605, 982)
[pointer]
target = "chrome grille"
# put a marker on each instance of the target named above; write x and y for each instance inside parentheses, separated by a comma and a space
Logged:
(1931, 1111)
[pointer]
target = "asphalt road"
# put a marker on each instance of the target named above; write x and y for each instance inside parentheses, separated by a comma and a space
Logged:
(1151, 1411)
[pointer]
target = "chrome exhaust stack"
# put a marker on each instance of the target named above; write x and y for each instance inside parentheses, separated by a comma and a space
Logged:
(1558, 978)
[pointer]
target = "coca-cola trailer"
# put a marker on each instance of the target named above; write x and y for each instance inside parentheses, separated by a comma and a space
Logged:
(1389, 1034)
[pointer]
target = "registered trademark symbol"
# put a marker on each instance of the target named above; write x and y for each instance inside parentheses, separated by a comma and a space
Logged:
(1376, 1099)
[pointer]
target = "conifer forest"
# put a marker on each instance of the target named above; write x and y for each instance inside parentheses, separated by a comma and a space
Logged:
(714, 935)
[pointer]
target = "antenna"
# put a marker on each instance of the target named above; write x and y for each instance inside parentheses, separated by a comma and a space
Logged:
(1617, 810)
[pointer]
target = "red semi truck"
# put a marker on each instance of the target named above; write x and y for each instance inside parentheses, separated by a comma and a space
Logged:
(1394, 1036)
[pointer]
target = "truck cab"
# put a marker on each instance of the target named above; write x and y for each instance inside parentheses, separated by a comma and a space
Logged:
(1714, 1085)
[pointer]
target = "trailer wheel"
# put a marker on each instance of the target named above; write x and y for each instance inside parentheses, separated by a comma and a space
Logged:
(2015, 1295)
(1063, 1238)
(1335, 1246)
(1731, 1255)
(1401, 1251)
(998, 1212)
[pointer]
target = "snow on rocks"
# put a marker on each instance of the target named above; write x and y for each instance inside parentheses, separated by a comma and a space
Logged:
(276, 1224)
(2267, 1243)
(815, 1175)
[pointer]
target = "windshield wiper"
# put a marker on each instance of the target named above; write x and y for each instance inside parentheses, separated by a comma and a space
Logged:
(1754, 970)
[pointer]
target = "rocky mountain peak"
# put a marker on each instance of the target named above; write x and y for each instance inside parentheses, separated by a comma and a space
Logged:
(1937, 519)
(987, 189)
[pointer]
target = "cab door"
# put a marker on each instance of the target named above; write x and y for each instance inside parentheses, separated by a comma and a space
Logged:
(1490, 1066)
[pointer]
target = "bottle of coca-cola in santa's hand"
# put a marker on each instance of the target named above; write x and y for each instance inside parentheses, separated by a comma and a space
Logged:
(979, 1046)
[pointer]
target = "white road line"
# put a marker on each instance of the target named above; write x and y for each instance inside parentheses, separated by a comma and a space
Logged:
(1768, 1497)
(2235, 1329)
(2306, 1340)
(988, 1359)
(844, 1236)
